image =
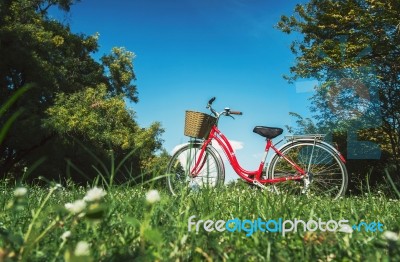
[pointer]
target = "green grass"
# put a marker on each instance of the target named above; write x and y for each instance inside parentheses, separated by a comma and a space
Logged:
(124, 227)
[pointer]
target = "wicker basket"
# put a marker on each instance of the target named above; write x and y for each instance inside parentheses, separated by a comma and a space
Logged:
(198, 124)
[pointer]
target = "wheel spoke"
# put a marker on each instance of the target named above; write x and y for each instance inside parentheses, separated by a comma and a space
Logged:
(329, 176)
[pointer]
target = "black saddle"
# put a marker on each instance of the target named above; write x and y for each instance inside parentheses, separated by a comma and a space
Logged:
(268, 132)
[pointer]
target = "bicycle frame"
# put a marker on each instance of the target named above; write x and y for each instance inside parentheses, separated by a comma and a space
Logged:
(249, 176)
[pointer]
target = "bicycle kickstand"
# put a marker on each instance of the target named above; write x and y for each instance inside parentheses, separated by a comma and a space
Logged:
(272, 190)
(307, 183)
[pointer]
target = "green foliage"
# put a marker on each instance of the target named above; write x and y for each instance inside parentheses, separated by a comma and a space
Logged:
(304, 125)
(73, 96)
(121, 72)
(323, 24)
(352, 48)
(86, 112)
(8, 123)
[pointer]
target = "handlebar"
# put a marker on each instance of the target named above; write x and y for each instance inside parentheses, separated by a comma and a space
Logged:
(227, 111)
(211, 101)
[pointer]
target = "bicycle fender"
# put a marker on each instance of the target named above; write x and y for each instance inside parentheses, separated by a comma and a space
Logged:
(319, 142)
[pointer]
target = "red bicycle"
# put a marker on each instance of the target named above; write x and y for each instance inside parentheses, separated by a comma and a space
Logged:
(305, 164)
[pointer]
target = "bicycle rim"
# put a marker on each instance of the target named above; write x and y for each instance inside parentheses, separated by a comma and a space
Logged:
(328, 173)
(179, 169)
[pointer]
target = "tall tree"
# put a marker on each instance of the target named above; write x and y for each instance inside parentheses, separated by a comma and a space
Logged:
(72, 96)
(353, 48)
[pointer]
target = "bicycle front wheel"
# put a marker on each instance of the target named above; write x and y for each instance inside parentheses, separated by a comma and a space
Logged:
(210, 170)
(328, 174)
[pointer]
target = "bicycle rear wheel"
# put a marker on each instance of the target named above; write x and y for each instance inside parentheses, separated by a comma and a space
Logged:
(211, 170)
(327, 171)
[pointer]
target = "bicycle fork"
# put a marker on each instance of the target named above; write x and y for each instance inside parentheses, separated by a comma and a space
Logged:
(199, 161)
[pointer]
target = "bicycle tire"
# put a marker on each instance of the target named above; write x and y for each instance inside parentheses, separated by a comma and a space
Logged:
(329, 174)
(212, 173)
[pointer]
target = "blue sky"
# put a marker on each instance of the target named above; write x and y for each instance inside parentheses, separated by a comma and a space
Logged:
(188, 51)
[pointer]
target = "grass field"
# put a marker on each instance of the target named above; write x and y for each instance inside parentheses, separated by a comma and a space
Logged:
(123, 224)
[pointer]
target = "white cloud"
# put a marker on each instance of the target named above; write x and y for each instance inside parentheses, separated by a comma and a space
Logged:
(236, 145)
(177, 147)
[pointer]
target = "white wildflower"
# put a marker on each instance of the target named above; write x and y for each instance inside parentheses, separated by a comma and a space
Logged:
(330, 257)
(391, 236)
(94, 194)
(20, 191)
(82, 249)
(57, 186)
(77, 207)
(183, 239)
(65, 235)
(152, 196)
